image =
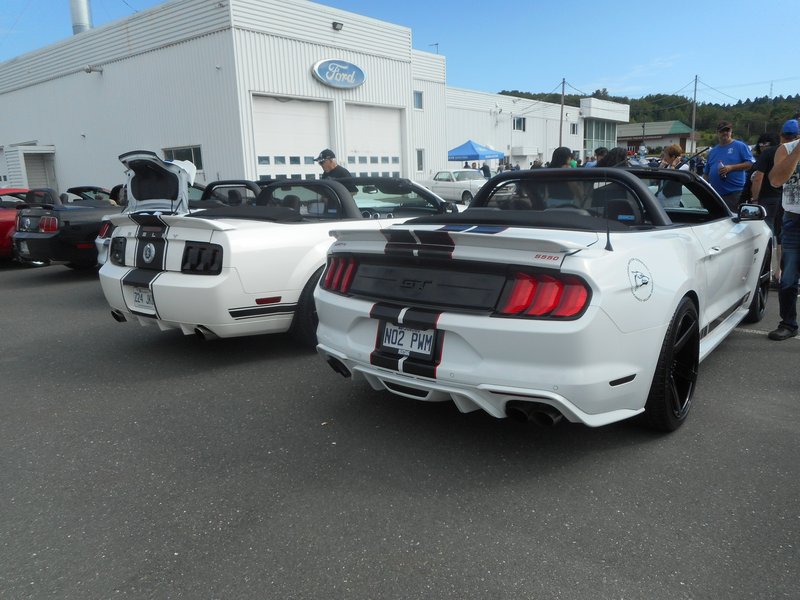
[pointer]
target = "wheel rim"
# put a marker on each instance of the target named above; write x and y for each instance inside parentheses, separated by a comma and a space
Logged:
(683, 371)
(762, 290)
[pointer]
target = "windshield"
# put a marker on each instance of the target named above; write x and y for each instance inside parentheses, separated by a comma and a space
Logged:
(629, 197)
(469, 175)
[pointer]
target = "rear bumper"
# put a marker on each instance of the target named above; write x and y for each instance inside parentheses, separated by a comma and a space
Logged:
(587, 369)
(216, 303)
(32, 246)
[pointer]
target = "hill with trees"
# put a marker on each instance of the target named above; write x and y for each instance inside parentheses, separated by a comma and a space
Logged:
(750, 118)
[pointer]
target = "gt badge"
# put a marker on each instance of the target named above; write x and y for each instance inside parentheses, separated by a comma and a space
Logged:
(149, 253)
(640, 279)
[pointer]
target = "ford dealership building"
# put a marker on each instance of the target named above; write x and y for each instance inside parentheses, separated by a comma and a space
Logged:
(255, 89)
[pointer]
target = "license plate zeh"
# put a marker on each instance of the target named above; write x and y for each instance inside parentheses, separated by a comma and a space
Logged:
(143, 298)
(407, 341)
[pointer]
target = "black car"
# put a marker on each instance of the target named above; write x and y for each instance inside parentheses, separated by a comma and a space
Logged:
(54, 227)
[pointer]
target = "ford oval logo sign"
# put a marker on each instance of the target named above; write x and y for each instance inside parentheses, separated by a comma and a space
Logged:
(338, 73)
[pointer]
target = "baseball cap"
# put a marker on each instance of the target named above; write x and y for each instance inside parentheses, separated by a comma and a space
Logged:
(791, 127)
(724, 125)
(325, 154)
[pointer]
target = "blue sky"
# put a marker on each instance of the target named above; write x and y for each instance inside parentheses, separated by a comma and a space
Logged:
(631, 48)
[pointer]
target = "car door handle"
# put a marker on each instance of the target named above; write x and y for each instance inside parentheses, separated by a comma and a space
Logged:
(715, 249)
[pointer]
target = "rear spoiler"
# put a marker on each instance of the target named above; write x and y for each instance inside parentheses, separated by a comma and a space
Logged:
(509, 238)
(175, 221)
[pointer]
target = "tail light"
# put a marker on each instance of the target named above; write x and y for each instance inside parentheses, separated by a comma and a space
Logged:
(340, 274)
(48, 224)
(105, 230)
(200, 258)
(116, 253)
(544, 296)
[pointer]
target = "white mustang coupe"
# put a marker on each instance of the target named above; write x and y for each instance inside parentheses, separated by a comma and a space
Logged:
(244, 267)
(578, 295)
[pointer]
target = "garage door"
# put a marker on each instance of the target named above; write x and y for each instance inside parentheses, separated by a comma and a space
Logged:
(37, 171)
(289, 134)
(374, 141)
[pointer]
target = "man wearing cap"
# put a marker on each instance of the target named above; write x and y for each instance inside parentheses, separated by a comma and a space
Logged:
(327, 160)
(786, 172)
(727, 165)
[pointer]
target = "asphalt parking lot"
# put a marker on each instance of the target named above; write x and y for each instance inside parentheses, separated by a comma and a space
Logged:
(143, 464)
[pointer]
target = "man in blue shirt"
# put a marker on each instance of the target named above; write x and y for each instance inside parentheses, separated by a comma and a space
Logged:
(727, 165)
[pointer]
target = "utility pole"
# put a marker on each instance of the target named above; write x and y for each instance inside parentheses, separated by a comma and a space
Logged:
(694, 116)
(561, 122)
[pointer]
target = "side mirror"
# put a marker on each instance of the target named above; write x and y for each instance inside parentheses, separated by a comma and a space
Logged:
(751, 212)
(450, 207)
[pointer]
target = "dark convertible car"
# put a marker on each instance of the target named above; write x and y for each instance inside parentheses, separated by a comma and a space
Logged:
(56, 227)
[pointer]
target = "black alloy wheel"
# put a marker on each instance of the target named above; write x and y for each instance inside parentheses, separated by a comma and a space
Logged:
(675, 378)
(758, 305)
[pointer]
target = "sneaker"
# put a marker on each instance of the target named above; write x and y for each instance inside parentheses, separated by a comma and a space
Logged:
(782, 333)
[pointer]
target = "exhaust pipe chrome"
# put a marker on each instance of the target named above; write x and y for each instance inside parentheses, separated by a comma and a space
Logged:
(118, 316)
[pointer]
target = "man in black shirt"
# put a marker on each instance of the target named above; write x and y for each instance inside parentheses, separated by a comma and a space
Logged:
(327, 160)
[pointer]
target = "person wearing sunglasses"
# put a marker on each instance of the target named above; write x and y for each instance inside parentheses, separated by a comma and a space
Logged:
(327, 160)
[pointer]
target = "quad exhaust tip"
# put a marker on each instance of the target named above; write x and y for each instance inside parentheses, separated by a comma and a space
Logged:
(205, 333)
(339, 366)
(539, 413)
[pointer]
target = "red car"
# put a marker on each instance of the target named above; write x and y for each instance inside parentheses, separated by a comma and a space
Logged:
(9, 199)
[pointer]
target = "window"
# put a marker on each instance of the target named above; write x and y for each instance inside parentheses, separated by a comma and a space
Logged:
(190, 153)
(519, 124)
(263, 160)
(418, 99)
(420, 160)
(573, 128)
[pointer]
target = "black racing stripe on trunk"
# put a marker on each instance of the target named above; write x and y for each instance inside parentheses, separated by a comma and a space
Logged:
(399, 243)
(140, 277)
(260, 311)
(439, 238)
(421, 319)
(386, 312)
(147, 220)
(435, 244)
(398, 236)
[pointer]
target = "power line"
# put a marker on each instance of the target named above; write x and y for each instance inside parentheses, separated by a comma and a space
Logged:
(577, 90)
(16, 22)
(716, 90)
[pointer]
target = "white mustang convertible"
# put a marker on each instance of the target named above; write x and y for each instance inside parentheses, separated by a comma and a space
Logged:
(247, 266)
(577, 295)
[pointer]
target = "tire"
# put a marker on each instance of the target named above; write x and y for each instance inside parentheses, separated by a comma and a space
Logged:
(466, 197)
(758, 305)
(675, 379)
(304, 324)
